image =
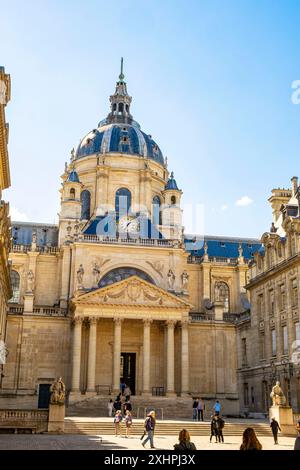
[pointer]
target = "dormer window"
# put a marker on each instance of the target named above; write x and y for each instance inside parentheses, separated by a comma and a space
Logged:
(124, 139)
(222, 244)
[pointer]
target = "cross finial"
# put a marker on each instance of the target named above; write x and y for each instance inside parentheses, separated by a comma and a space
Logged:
(121, 76)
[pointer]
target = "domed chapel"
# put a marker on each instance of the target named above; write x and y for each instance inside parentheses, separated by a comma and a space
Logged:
(117, 292)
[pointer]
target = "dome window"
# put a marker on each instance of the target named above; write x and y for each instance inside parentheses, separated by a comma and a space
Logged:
(127, 108)
(121, 107)
(125, 139)
(173, 200)
(124, 129)
(114, 107)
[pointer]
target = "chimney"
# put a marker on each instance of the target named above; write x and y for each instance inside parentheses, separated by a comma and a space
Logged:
(294, 181)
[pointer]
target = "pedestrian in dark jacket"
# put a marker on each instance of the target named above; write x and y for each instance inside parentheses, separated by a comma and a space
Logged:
(220, 426)
(149, 428)
(275, 427)
(185, 444)
(195, 406)
(297, 441)
(213, 428)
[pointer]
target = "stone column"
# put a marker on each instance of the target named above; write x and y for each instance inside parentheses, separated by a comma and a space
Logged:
(117, 355)
(170, 358)
(76, 354)
(146, 357)
(92, 355)
(185, 371)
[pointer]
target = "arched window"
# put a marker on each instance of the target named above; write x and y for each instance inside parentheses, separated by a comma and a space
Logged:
(122, 202)
(85, 198)
(173, 200)
(72, 193)
(222, 294)
(121, 107)
(156, 212)
(119, 274)
(114, 106)
(15, 285)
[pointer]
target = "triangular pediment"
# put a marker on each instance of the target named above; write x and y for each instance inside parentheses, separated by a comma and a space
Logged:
(132, 291)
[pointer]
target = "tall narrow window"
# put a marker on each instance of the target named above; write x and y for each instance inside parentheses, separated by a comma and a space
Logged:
(297, 331)
(273, 339)
(272, 304)
(15, 285)
(244, 351)
(156, 212)
(122, 202)
(262, 345)
(282, 297)
(260, 305)
(246, 394)
(294, 293)
(285, 340)
(72, 193)
(85, 198)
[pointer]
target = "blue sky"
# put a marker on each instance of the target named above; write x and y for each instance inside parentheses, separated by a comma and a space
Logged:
(211, 81)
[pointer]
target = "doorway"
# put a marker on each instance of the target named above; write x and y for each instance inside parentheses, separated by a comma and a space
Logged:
(44, 395)
(128, 361)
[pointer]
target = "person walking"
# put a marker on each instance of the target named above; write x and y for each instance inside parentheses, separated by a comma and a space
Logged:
(217, 408)
(250, 441)
(275, 427)
(195, 406)
(213, 428)
(297, 441)
(200, 409)
(128, 423)
(149, 428)
(185, 444)
(117, 421)
(110, 407)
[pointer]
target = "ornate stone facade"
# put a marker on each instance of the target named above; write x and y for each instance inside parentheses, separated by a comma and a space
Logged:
(5, 290)
(124, 295)
(269, 339)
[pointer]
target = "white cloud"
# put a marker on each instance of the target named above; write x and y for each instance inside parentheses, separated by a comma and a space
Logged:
(224, 207)
(18, 216)
(244, 201)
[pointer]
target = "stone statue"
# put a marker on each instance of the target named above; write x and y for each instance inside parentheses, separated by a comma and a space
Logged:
(166, 162)
(185, 280)
(72, 154)
(58, 392)
(30, 281)
(240, 251)
(96, 274)
(171, 279)
(273, 229)
(277, 395)
(80, 273)
(205, 248)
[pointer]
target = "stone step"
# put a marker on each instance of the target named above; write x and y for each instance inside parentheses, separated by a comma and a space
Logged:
(162, 428)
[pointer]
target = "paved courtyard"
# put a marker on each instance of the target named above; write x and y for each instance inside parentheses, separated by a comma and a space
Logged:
(83, 442)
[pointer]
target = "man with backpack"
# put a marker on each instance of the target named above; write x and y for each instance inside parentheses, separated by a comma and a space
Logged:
(149, 425)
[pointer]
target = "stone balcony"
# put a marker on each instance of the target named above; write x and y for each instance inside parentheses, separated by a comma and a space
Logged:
(151, 242)
(17, 309)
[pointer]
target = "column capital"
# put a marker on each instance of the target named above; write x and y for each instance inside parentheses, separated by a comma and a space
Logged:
(78, 320)
(184, 323)
(170, 323)
(93, 320)
(147, 321)
(118, 320)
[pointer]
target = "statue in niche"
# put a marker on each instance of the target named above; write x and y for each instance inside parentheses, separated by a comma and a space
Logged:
(96, 274)
(30, 281)
(185, 280)
(80, 274)
(171, 279)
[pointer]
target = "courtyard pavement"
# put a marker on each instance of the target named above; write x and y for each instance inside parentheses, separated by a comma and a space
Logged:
(84, 442)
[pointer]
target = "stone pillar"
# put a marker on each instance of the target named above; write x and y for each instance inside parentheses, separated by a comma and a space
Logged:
(185, 371)
(170, 358)
(76, 359)
(117, 355)
(92, 355)
(219, 310)
(146, 357)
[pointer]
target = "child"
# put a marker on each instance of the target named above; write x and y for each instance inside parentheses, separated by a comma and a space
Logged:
(117, 421)
(128, 422)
